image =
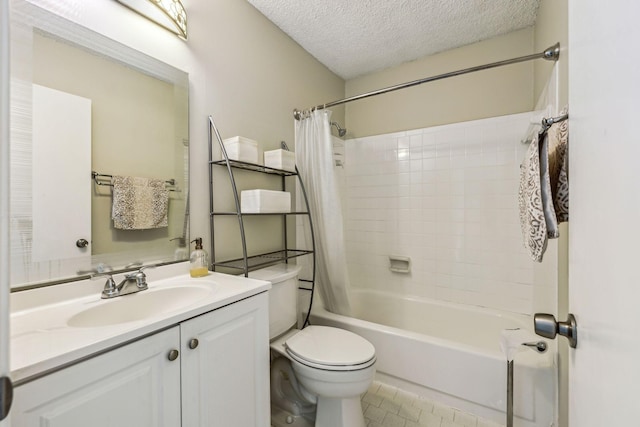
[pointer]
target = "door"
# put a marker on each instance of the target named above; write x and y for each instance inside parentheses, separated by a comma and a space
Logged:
(604, 230)
(61, 175)
(4, 204)
(225, 373)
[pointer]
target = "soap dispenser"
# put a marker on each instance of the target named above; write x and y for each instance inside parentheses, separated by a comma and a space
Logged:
(199, 260)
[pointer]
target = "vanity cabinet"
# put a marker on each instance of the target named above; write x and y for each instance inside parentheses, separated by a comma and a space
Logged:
(218, 378)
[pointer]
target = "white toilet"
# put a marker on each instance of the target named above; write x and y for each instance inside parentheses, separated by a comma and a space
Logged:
(319, 369)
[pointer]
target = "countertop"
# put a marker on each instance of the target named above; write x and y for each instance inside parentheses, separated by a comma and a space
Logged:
(43, 341)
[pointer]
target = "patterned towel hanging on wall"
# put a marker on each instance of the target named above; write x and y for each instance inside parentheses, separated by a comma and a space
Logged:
(543, 196)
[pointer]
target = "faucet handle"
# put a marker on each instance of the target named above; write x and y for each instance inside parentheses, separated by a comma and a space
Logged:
(140, 277)
(110, 289)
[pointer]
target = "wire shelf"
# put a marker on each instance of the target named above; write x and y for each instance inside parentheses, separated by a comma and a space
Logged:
(253, 167)
(257, 261)
(258, 213)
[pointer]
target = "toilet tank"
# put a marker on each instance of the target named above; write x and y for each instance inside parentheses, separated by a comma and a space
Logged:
(283, 296)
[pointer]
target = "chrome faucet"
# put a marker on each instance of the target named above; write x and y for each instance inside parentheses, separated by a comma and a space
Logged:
(132, 283)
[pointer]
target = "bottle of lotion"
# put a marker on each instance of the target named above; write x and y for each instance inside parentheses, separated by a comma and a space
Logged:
(199, 260)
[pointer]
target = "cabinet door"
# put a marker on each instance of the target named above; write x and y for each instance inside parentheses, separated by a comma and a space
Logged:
(225, 379)
(135, 385)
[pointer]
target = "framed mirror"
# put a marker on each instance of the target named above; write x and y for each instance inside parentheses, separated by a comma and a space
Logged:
(86, 113)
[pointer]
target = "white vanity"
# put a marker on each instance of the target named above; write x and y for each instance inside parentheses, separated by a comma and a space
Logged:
(190, 352)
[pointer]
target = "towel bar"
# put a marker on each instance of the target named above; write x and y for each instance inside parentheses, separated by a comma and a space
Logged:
(545, 124)
(107, 180)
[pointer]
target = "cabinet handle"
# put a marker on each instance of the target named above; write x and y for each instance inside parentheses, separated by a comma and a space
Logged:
(173, 354)
(193, 343)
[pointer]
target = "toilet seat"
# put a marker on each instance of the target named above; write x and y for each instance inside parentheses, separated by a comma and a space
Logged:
(330, 349)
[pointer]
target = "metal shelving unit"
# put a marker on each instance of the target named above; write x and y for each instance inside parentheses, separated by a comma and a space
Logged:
(247, 263)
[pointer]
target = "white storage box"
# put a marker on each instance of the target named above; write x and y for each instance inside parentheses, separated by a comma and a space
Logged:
(242, 149)
(280, 159)
(265, 201)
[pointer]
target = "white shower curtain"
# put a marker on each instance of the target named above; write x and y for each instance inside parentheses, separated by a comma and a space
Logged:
(314, 158)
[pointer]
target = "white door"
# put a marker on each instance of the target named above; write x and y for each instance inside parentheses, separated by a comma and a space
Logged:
(4, 197)
(604, 230)
(61, 175)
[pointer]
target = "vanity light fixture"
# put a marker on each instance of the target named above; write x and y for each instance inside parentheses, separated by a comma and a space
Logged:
(169, 14)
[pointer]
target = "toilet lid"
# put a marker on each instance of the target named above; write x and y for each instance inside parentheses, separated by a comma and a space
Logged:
(327, 346)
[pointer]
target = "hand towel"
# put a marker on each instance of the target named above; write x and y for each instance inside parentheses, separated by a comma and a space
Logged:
(543, 196)
(532, 218)
(546, 193)
(554, 174)
(559, 167)
(139, 203)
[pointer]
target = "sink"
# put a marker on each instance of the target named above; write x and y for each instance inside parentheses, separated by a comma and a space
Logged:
(138, 306)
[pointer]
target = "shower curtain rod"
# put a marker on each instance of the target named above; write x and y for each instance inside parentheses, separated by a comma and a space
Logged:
(550, 54)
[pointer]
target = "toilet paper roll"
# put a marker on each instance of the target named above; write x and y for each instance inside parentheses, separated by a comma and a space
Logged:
(511, 341)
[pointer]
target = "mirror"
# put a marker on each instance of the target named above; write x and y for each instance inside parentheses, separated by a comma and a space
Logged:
(86, 109)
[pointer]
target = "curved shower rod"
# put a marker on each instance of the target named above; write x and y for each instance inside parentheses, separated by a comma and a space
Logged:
(550, 54)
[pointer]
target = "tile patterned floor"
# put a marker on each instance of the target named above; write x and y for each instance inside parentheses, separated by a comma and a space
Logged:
(387, 406)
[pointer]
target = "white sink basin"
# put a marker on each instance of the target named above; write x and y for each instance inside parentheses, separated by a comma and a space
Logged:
(138, 306)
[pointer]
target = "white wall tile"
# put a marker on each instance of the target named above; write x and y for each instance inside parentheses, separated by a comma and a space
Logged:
(446, 197)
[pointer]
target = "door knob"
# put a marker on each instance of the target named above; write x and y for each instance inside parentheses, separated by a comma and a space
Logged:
(82, 243)
(547, 326)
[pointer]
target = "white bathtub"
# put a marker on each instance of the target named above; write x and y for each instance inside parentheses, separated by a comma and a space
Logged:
(451, 353)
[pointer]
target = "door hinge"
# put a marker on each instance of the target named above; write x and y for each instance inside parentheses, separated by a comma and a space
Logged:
(6, 396)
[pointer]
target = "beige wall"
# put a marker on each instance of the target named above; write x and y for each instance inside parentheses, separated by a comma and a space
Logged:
(490, 93)
(551, 27)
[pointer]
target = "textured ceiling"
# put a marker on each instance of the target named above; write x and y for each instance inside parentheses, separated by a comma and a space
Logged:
(357, 37)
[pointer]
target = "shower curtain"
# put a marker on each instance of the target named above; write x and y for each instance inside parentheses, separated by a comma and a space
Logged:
(314, 158)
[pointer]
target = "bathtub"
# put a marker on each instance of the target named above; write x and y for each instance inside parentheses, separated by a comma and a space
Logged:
(451, 354)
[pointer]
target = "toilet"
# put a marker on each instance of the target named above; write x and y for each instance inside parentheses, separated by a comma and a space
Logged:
(318, 373)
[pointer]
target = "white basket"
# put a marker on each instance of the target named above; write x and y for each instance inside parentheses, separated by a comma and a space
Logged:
(280, 159)
(265, 201)
(242, 149)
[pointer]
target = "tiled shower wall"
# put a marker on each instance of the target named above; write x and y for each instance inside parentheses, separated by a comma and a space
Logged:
(447, 197)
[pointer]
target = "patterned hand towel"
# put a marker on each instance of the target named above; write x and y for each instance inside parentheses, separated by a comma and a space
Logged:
(543, 197)
(559, 167)
(532, 218)
(139, 203)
